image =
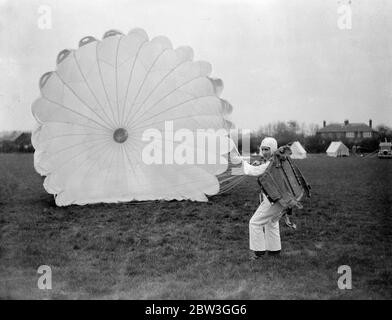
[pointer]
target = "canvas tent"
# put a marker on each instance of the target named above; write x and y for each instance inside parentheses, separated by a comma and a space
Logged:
(298, 151)
(337, 149)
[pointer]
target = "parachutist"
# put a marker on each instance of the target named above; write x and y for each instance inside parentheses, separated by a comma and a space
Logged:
(282, 186)
(264, 233)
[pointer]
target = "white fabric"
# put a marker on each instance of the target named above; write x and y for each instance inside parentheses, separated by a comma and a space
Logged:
(298, 151)
(337, 149)
(269, 142)
(263, 233)
(137, 84)
(254, 170)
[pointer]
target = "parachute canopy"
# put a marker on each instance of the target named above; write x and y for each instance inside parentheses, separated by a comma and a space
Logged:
(128, 118)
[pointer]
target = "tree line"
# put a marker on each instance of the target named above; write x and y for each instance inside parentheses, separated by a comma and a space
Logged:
(283, 132)
(290, 131)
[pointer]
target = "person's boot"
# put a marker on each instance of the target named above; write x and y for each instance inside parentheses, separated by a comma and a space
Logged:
(254, 255)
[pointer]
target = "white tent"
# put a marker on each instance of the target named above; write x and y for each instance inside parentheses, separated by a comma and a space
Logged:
(298, 151)
(337, 149)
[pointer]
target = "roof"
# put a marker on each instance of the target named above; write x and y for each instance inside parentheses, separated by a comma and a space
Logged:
(9, 136)
(13, 135)
(385, 144)
(351, 127)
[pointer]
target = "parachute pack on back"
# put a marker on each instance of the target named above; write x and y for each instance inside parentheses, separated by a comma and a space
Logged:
(283, 182)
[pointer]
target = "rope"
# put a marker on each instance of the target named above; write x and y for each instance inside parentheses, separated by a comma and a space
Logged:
(370, 155)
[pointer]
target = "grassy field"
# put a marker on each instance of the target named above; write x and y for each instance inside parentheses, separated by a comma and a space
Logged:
(186, 250)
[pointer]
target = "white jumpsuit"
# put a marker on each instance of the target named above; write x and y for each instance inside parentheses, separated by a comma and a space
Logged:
(263, 233)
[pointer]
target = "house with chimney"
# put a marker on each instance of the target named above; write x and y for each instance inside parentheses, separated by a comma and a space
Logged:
(15, 141)
(353, 132)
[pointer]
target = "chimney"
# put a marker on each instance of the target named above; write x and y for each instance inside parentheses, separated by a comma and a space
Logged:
(324, 123)
(370, 123)
(346, 122)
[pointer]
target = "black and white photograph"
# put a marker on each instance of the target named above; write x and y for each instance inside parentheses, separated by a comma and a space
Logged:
(198, 150)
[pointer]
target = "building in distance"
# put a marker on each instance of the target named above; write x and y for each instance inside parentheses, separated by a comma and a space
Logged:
(353, 132)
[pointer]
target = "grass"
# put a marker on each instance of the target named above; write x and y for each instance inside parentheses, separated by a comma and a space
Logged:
(188, 250)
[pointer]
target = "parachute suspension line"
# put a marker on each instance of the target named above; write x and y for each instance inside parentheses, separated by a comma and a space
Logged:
(101, 140)
(131, 163)
(227, 179)
(124, 158)
(100, 148)
(77, 155)
(108, 168)
(370, 155)
(141, 119)
(233, 184)
(104, 152)
(239, 181)
(116, 77)
(78, 124)
(232, 181)
(130, 78)
(137, 119)
(77, 113)
(139, 128)
(141, 86)
(225, 187)
(129, 124)
(103, 84)
(82, 101)
(73, 135)
(112, 124)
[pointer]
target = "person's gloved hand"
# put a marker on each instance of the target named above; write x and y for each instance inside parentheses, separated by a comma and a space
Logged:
(284, 152)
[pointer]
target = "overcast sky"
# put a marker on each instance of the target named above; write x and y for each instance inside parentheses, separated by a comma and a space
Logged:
(279, 60)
